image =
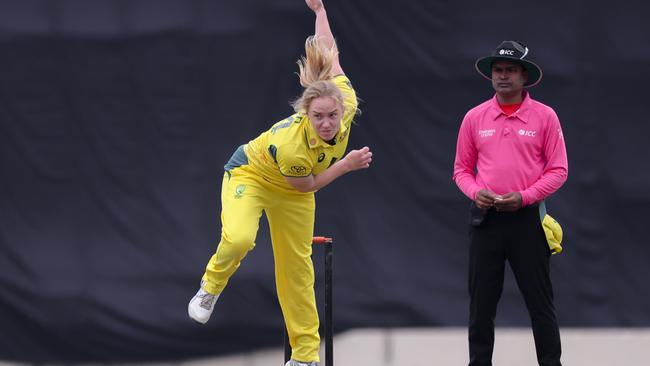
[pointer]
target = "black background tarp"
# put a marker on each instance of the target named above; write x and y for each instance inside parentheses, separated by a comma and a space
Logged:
(116, 118)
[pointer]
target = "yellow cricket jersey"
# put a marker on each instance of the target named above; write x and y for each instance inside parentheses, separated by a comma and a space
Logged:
(292, 148)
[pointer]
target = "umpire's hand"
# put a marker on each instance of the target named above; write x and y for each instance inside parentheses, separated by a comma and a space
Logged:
(485, 199)
(509, 202)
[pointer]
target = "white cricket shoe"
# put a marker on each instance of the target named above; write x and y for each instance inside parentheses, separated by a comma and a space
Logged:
(201, 306)
(296, 363)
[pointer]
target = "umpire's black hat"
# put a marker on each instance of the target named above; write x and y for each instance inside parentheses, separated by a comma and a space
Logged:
(512, 51)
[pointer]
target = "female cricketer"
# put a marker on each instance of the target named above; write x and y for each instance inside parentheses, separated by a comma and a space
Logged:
(278, 173)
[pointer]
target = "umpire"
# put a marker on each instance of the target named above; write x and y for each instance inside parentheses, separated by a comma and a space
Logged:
(510, 156)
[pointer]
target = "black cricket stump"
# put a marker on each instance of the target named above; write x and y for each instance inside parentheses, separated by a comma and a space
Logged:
(329, 342)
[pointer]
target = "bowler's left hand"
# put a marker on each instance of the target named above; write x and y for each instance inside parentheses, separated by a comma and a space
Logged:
(509, 202)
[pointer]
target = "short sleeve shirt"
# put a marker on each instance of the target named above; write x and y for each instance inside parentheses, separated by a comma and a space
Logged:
(292, 148)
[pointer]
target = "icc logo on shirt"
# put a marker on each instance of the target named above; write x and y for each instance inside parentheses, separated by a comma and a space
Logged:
(527, 133)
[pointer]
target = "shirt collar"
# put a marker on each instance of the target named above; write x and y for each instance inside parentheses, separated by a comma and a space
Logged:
(523, 113)
(312, 138)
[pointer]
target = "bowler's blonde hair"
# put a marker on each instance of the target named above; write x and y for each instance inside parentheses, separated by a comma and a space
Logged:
(315, 70)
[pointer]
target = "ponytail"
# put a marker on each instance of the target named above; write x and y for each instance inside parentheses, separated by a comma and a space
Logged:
(314, 70)
(316, 65)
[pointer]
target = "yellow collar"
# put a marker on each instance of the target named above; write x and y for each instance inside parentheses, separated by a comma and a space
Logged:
(314, 141)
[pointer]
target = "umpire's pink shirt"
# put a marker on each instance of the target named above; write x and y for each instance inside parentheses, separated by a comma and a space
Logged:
(522, 152)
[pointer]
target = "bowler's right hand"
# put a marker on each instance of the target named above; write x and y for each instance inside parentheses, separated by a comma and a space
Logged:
(314, 5)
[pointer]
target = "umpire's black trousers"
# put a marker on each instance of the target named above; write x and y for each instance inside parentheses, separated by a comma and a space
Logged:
(517, 237)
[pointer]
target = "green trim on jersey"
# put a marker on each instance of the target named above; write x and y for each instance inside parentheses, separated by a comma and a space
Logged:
(237, 159)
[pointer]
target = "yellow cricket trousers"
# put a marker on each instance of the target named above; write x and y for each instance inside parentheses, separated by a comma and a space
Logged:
(291, 220)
